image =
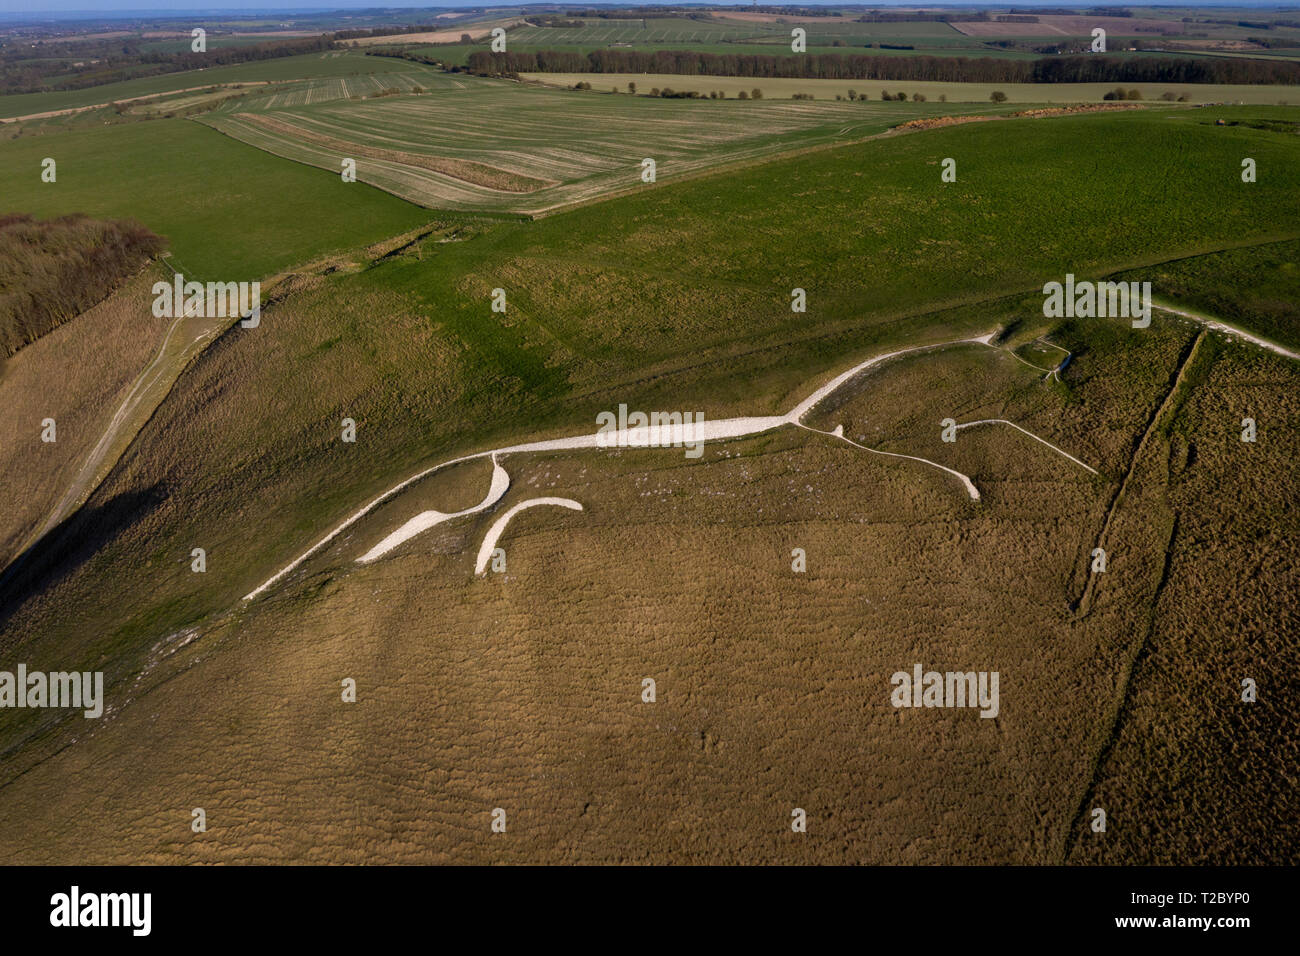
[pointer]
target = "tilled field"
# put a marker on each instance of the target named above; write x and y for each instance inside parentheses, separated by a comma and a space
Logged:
(588, 145)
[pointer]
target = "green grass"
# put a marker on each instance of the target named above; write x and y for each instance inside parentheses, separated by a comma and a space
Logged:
(1257, 288)
(734, 36)
(214, 42)
(883, 234)
(228, 210)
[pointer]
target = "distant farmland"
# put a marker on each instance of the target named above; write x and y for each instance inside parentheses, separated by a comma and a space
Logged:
(583, 145)
(784, 88)
(663, 31)
(283, 69)
(451, 35)
(728, 32)
(325, 89)
(1053, 27)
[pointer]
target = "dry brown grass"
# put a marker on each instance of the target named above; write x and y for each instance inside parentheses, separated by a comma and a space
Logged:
(1081, 108)
(76, 374)
(522, 691)
(1189, 773)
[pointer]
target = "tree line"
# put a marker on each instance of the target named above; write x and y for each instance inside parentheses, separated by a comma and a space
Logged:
(227, 55)
(917, 17)
(53, 271)
(386, 31)
(840, 66)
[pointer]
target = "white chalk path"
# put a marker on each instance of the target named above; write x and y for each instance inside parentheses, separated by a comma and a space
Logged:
(1003, 421)
(499, 526)
(1056, 372)
(1051, 373)
(804, 407)
(1026, 361)
(427, 519)
(642, 436)
(839, 433)
(1220, 326)
(144, 381)
(93, 468)
(708, 431)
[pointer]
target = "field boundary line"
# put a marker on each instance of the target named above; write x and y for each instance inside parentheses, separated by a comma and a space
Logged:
(1121, 698)
(1083, 606)
(1026, 431)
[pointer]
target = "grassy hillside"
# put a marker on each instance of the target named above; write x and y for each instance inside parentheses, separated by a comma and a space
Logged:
(520, 691)
(683, 33)
(637, 300)
(78, 374)
(1257, 287)
(1189, 772)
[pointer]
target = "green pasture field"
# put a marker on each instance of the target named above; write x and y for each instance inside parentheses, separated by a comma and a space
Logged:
(733, 36)
(228, 210)
(1285, 54)
(724, 35)
(1257, 287)
(214, 42)
(883, 236)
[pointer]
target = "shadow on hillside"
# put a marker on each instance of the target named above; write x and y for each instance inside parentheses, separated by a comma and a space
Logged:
(69, 545)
